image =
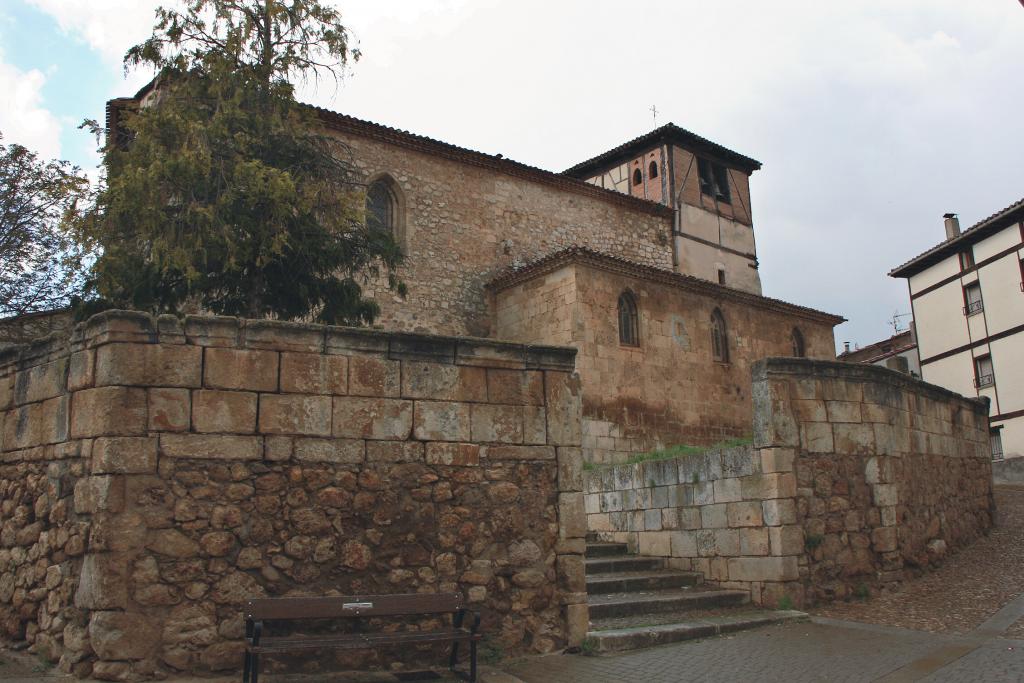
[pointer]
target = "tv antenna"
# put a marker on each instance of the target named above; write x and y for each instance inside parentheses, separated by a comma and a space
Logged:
(895, 322)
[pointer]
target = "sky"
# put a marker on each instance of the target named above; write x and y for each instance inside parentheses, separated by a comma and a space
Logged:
(872, 118)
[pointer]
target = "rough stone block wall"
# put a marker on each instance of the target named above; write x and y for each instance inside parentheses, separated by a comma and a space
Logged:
(891, 473)
(859, 478)
(727, 513)
(156, 473)
(669, 389)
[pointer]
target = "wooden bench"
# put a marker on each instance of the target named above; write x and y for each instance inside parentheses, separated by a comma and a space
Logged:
(358, 608)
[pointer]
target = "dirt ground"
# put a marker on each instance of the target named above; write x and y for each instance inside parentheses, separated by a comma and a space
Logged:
(970, 587)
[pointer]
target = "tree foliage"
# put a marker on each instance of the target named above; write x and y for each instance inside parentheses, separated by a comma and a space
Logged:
(40, 263)
(229, 195)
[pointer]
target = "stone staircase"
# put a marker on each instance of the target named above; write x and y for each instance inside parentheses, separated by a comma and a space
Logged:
(636, 601)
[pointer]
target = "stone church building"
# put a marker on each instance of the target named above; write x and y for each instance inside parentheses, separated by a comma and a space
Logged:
(643, 258)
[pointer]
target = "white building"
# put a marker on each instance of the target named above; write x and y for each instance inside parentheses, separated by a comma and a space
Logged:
(967, 298)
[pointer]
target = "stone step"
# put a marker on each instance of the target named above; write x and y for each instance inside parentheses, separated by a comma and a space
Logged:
(624, 582)
(606, 549)
(654, 602)
(647, 635)
(627, 563)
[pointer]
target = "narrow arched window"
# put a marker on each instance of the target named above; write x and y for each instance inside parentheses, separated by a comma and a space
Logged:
(799, 351)
(719, 337)
(629, 327)
(381, 207)
(638, 177)
(652, 171)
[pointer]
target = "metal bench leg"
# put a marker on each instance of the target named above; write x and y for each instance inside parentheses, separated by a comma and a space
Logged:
(245, 667)
(454, 657)
(472, 661)
(255, 668)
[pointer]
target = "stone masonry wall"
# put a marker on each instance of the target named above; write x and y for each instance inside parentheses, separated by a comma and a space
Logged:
(726, 513)
(891, 473)
(859, 478)
(157, 473)
(669, 389)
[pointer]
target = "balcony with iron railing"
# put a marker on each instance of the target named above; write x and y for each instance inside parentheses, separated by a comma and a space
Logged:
(974, 307)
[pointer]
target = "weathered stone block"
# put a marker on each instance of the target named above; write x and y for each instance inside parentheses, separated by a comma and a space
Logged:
(744, 514)
(570, 468)
(224, 412)
(856, 439)
(374, 376)
(655, 543)
(113, 411)
(885, 495)
(809, 410)
(99, 494)
(55, 415)
(455, 454)
(394, 451)
(767, 486)
(727, 490)
(577, 618)
(535, 425)
(124, 455)
(372, 418)
(149, 365)
(683, 543)
(281, 335)
(779, 512)
(816, 437)
(443, 382)
(314, 373)
(123, 636)
(727, 542)
(6, 391)
(330, 450)
(211, 446)
(41, 382)
(103, 582)
(496, 452)
(170, 410)
(441, 421)
(777, 459)
(714, 516)
(572, 520)
(754, 542)
(237, 369)
(496, 423)
(843, 411)
(787, 540)
(763, 569)
(563, 398)
(81, 373)
(203, 330)
(295, 414)
(515, 387)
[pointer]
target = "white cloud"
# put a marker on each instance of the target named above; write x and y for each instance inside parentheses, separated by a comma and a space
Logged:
(23, 118)
(108, 26)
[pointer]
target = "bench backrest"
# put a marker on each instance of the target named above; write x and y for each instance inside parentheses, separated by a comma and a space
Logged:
(353, 606)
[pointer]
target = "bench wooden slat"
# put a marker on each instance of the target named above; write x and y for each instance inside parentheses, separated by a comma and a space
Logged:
(352, 606)
(354, 641)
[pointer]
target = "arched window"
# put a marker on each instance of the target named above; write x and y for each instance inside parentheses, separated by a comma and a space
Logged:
(799, 351)
(652, 171)
(638, 177)
(719, 337)
(629, 327)
(382, 207)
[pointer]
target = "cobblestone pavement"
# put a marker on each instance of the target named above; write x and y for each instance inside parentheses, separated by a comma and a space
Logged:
(795, 653)
(964, 591)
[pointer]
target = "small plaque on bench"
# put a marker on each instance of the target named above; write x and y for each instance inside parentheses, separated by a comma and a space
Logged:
(357, 605)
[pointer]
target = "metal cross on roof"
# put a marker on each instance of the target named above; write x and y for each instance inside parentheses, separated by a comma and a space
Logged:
(654, 109)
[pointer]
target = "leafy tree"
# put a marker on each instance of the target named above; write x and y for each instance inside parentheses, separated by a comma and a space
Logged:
(40, 264)
(229, 195)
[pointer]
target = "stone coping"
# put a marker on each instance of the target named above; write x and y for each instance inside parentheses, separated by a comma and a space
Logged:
(807, 368)
(219, 331)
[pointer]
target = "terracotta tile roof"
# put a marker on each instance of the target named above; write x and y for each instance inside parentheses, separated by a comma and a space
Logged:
(896, 344)
(427, 145)
(591, 257)
(667, 133)
(980, 230)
